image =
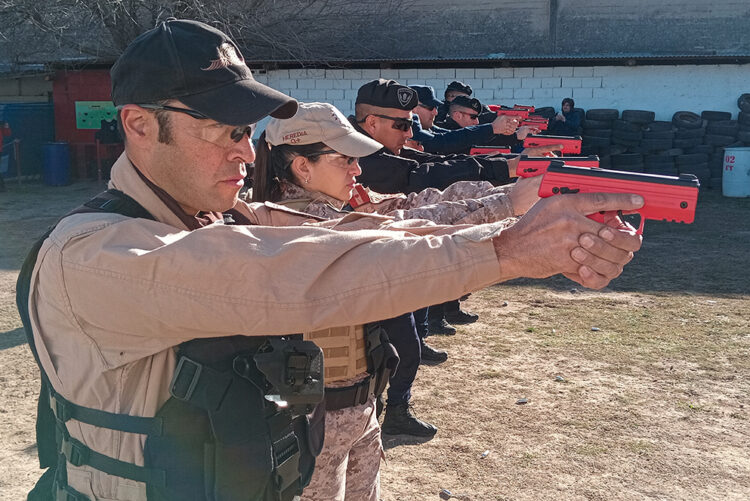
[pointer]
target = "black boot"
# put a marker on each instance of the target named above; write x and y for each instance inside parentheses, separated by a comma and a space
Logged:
(400, 421)
(430, 354)
(440, 327)
(460, 317)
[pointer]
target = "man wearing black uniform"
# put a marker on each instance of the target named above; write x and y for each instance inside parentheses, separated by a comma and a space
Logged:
(464, 112)
(435, 139)
(383, 111)
(455, 89)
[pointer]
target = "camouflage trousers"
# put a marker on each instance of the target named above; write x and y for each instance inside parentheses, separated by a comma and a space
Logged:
(348, 466)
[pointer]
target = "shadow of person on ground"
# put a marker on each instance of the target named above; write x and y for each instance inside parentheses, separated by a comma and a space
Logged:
(12, 338)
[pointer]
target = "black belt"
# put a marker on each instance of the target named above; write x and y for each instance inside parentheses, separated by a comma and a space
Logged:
(349, 396)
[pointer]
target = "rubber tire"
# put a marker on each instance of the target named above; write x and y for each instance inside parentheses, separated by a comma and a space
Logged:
(625, 142)
(626, 159)
(674, 152)
(660, 126)
(659, 134)
(602, 114)
(743, 118)
(715, 116)
(723, 128)
(599, 133)
(701, 148)
(638, 116)
(689, 133)
(718, 140)
(658, 160)
(687, 143)
(625, 126)
(656, 144)
(694, 158)
(743, 103)
(687, 120)
(630, 136)
(744, 136)
(597, 124)
(596, 141)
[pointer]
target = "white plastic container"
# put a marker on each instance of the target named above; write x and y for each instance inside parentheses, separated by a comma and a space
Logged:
(736, 177)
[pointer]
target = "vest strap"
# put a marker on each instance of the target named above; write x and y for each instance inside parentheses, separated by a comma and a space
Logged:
(65, 410)
(78, 454)
(199, 384)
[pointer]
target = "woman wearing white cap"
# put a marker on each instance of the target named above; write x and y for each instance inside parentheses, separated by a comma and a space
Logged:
(309, 163)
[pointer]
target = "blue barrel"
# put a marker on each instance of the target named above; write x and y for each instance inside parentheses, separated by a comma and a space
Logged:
(56, 164)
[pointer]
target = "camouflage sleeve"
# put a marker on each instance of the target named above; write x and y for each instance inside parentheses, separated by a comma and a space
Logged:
(462, 190)
(323, 210)
(487, 209)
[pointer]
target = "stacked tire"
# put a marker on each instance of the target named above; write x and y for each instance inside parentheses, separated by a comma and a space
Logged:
(690, 131)
(743, 119)
(597, 134)
(721, 132)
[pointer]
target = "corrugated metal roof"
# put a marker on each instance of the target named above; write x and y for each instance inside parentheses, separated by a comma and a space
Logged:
(509, 58)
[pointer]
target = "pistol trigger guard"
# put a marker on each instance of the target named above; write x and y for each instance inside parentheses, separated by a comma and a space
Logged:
(639, 231)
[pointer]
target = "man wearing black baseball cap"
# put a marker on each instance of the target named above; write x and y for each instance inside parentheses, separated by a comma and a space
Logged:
(437, 139)
(383, 111)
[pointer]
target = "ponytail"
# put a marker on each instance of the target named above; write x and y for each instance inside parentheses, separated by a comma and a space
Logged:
(272, 167)
(265, 184)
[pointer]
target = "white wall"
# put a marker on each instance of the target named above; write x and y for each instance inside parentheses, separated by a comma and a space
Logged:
(663, 89)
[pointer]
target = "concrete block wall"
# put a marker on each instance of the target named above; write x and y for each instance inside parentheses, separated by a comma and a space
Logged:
(662, 89)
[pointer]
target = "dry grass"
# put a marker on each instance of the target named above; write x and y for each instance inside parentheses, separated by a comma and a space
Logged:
(653, 404)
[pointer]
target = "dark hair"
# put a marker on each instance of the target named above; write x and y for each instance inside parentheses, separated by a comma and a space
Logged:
(570, 101)
(272, 165)
(162, 118)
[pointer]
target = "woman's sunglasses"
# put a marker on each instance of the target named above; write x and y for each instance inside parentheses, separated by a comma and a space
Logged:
(349, 160)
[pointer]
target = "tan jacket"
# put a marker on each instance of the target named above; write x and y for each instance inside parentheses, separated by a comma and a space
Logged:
(112, 296)
(472, 202)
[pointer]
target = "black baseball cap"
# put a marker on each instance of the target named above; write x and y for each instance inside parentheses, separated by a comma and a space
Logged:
(387, 94)
(467, 102)
(199, 66)
(426, 95)
(460, 87)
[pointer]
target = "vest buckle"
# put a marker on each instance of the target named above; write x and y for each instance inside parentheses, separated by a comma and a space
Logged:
(185, 379)
(75, 452)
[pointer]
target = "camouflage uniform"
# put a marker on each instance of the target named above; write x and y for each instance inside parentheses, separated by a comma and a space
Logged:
(348, 466)
(464, 202)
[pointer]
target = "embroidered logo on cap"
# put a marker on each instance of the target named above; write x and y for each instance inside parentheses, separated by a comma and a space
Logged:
(227, 56)
(405, 94)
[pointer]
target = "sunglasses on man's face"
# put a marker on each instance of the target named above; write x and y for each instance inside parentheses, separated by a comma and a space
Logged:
(237, 134)
(428, 108)
(473, 116)
(402, 124)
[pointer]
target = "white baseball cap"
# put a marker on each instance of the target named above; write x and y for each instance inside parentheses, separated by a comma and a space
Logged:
(321, 123)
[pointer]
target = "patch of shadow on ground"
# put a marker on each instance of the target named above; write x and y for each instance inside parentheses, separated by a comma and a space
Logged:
(13, 338)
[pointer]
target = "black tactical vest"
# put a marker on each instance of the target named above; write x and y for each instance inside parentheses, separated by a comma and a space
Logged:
(222, 436)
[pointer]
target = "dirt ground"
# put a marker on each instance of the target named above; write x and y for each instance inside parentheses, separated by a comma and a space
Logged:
(640, 391)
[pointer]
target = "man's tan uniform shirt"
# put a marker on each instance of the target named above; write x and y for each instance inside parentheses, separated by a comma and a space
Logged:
(111, 297)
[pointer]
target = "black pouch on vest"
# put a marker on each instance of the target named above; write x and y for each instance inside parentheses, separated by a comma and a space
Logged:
(223, 440)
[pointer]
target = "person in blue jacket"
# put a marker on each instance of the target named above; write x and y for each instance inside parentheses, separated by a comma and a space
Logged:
(567, 122)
